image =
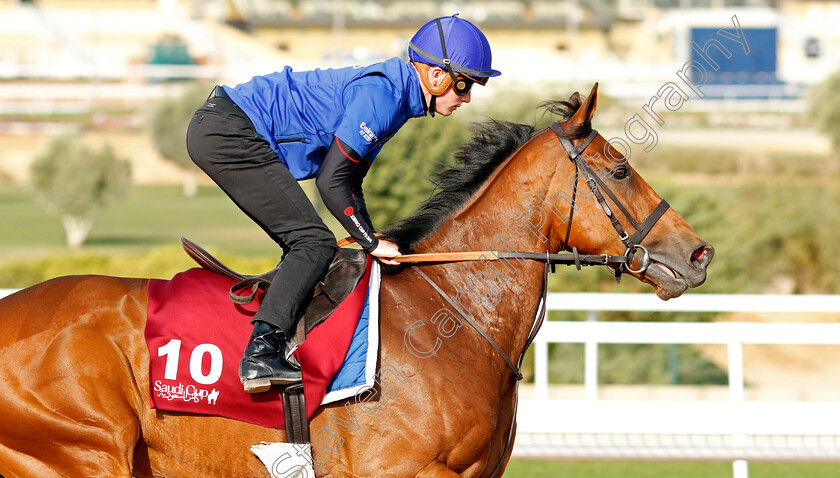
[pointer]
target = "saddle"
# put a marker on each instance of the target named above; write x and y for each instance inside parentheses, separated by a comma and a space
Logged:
(344, 274)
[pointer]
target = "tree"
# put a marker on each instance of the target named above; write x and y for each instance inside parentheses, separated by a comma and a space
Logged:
(824, 108)
(169, 120)
(399, 180)
(78, 181)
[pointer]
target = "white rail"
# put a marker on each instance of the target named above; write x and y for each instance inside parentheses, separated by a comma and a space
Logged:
(733, 429)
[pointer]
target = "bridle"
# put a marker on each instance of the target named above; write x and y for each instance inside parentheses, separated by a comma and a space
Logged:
(622, 263)
(595, 183)
(631, 243)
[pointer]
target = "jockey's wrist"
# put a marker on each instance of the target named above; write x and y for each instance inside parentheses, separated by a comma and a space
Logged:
(373, 245)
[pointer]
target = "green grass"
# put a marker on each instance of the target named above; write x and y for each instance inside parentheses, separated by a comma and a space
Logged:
(642, 469)
(135, 237)
(149, 217)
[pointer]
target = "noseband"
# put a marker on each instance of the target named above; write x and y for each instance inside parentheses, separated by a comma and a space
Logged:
(596, 184)
(632, 244)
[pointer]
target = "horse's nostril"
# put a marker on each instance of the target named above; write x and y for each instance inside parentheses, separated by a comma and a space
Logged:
(701, 255)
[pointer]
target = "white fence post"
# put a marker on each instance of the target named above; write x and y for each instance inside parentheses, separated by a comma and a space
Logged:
(541, 370)
(735, 353)
(735, 430)
(740, 469)
(590, 379)
(736, 369)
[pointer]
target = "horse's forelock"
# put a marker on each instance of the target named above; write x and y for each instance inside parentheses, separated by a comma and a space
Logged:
(564, 109)
(567, 109)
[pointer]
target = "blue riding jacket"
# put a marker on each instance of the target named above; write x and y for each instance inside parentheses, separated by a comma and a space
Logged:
(299, 113)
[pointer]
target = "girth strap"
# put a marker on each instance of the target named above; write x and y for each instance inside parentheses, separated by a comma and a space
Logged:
(535, 327)
(294, 412)
(470, 321)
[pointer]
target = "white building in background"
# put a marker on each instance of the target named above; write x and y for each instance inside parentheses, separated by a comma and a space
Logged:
(635, 43)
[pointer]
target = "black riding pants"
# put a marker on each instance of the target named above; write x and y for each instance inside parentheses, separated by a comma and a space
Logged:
(222, 141)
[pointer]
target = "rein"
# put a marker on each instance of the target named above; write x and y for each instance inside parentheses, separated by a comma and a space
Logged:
(572, 258)
(620, 264)
(568, 259)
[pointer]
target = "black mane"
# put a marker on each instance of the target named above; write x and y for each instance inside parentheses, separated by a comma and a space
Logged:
(491, 144)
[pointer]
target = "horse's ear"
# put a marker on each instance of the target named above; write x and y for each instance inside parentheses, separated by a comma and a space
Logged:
(586, 111)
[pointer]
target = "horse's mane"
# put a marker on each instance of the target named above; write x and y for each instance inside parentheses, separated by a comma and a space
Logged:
(491, 143)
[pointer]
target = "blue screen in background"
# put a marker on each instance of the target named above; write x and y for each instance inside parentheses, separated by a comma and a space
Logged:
(756, 67)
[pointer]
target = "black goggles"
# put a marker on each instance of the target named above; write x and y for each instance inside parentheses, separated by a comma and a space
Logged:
(462, 83)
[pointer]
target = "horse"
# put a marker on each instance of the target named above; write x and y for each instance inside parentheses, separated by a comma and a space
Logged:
(74, 368)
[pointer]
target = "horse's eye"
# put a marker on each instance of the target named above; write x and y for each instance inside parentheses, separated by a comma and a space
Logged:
(620, 172)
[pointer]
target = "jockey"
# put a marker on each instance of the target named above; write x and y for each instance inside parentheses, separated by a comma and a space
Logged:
(258, 138)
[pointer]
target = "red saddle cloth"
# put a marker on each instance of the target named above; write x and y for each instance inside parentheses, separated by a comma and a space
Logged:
(196, 337)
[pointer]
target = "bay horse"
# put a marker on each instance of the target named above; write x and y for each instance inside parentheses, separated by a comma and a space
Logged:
(74, 400)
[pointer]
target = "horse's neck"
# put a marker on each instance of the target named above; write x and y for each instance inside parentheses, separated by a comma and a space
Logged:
(498, 216)
(501, 295)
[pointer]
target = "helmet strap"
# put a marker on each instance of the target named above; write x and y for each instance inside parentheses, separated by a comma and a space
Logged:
(446, 61)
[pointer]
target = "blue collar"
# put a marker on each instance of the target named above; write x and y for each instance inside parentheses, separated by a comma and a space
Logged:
(416, 101)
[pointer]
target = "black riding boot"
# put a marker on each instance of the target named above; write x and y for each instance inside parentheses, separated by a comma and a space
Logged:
(264, 362)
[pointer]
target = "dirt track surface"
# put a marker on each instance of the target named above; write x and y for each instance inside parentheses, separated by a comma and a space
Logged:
(786, 372)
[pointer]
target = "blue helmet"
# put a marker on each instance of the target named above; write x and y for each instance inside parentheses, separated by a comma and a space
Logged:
(453, 44)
